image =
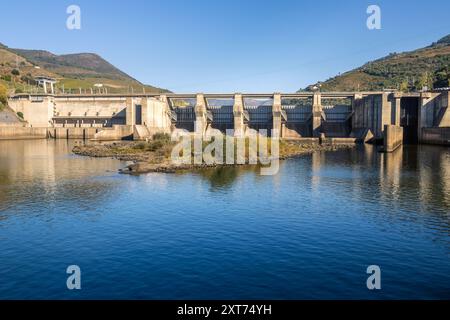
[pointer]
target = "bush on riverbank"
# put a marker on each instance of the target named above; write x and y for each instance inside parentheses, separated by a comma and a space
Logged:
(159, 141)
(3, 96)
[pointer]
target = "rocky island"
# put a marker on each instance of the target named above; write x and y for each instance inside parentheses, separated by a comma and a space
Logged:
(155, 155)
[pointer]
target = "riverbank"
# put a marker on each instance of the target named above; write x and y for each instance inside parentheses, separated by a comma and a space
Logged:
(155, 155)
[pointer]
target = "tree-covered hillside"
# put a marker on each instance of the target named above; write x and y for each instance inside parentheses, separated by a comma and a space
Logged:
(409, 71)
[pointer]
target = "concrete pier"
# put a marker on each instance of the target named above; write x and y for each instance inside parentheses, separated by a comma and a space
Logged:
(238, 116)
(316, 115)
(396, 108)
(277, 116)
(130, 111)
(393, 138)
(200, 115)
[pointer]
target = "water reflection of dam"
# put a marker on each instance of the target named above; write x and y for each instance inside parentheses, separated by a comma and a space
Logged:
(46, 170)
(413, 171)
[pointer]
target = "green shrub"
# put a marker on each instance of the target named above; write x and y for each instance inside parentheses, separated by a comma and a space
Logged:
(161, 137)
(3, 95)
(15, 72)
(20, 115)
(28, 79)
(150, 146)
(6, 77)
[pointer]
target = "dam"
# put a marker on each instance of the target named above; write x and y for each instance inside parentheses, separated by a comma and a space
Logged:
(419, 117)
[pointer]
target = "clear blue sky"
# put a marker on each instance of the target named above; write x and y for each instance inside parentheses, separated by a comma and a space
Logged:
(227, 45)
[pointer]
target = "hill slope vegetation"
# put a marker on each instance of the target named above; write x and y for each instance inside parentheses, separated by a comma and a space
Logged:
(409, 71)
(19, 67)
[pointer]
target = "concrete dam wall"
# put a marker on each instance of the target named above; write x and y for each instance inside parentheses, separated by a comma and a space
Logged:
(14, 132)
(290, 116)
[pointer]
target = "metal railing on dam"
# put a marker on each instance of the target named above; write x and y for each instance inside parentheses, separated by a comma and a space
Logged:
(194, 95)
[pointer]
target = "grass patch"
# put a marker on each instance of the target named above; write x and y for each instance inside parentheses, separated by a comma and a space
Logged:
(160, 146)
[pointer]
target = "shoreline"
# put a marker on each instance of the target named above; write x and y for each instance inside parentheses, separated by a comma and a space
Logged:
(145, 161)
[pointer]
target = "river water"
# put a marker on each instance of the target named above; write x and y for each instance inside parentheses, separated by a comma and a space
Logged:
(309, 232)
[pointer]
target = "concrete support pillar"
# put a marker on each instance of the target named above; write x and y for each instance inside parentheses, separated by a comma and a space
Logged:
(200, 115)
(398, 103)
(163, 98)
(276, 112)
(168, 120)
(52, 88)
(144, 110)
(397, 100)
(45, 87)
(393, 137)
(444, 120)
(425, 97)
(238, 113)
(356, 118)
(384, 114)
(130, 112)
(316, 120)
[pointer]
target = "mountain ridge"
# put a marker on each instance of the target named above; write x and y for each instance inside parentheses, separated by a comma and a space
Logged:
(73, 71)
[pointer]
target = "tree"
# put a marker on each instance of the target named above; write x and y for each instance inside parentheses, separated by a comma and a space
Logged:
(442, 78)
(3, 94)
(15, 72)
(424, 81)
(404, 86)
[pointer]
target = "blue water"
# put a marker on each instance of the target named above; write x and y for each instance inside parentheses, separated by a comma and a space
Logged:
(309, 232)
